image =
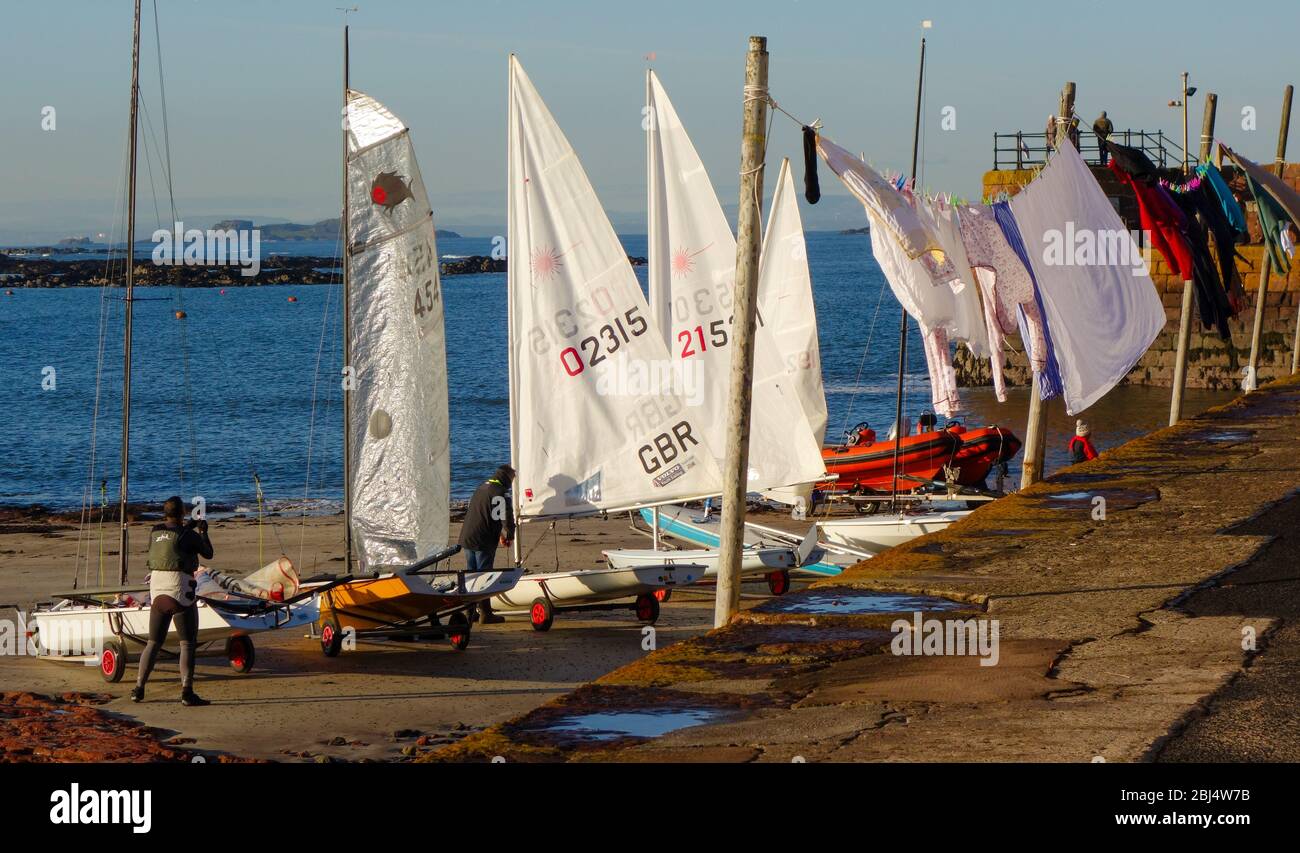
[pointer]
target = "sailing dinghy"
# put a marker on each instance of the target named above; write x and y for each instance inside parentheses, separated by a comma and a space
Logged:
(397, 443)
(596, 424)
(692, 260)
(102, 626)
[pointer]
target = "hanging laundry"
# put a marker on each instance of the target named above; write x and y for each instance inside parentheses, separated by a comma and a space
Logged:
(1007, 289)
(1227, 201)
(812, 190)
(1287, 198)
(1049, 378)
(1101, 316)
(929, 306)
(1273, 222)
(893, 210)
(967, 322)
(1174, 233)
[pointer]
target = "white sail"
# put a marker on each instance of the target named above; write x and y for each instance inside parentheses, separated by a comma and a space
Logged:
(786, 299)
(596, 422)
(692, 257)
(400, 475)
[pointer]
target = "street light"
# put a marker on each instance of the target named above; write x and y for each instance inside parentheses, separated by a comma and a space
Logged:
(1188, 91)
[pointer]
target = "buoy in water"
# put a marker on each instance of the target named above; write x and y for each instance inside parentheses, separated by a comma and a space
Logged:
(9, 293)
(293, 299)
(223, 291)
(180, 315)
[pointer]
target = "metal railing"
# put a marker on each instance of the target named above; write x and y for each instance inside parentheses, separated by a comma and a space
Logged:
(1022, 150)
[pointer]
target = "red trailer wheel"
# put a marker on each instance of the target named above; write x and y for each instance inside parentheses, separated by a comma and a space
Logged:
(331, 640)
(112, 662)
(239, 651)
(663, 594)
(778, 583)
(541, 614)
(647, 608)
(458, 627)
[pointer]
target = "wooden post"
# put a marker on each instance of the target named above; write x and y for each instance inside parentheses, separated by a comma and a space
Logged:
(1036, 425)
(1189, 297)
(1266, 268)
(753, 150)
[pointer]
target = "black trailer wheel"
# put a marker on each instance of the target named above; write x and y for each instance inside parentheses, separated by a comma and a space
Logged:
(778, 583)
(541, 614)
(458, 631)
(240, 653)
(647, 608)
(331, 640)
(112, 661)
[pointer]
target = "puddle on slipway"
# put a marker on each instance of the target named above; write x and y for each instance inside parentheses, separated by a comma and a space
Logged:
(1115, 498)
(855, 601)
(1223, 435)
(601, 726)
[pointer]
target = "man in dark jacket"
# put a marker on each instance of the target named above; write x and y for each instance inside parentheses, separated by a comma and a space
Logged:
(1103, 128)
(489, 521)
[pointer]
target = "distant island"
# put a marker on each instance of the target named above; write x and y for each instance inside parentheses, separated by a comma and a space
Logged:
(856, 231)
(326, 229)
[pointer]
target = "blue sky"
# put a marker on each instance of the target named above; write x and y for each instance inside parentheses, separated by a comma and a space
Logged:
(253, 91)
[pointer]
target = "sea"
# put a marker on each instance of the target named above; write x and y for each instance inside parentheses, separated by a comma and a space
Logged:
(244, 392)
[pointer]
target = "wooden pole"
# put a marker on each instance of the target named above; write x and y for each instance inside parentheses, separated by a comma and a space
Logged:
(753, 151)
(1189, 296)
(1036, 424)
(1266, 268)
(123, 545)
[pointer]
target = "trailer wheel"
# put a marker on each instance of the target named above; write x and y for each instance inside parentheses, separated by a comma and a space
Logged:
(663, 594)
(112, 662)
(239, 651)
(647, 608)
(541, 614)
(458, 631)
(331, 640)
(778, 583)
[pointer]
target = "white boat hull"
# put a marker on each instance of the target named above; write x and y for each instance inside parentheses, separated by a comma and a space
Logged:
(76, 631)
(754, 562)
(593, 586)
(875, 534)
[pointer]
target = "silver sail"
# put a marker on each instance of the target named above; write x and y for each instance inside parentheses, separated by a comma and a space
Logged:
(400, 472)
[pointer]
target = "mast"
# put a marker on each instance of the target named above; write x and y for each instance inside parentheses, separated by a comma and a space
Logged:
(902, 323)
(347, 335)
(130, 283)
(516, 545)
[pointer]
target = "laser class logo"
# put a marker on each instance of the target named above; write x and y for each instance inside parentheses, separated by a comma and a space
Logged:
(389, 190)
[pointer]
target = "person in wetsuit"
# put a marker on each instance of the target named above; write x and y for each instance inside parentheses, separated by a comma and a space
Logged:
(175, 547)
(489, 520)
(1081, 448)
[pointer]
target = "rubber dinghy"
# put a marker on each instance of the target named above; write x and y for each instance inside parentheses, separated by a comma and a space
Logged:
(397, 445)
(106, 626)
(586, 436)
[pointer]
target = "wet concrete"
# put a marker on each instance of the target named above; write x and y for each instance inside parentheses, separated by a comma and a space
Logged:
(1121, 632)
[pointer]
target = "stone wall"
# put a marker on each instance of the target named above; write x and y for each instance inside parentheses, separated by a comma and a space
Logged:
(1211, 362)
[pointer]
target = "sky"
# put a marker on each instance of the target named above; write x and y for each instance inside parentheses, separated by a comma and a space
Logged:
(254, 92)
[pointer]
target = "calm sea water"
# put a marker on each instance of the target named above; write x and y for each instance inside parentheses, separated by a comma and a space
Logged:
(263, 395)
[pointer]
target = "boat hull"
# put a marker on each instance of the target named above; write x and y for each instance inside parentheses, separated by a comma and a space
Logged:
(593, 586)
(875, 534)
(676, 521)
(753, 562)
(980, 450)
(391, 600)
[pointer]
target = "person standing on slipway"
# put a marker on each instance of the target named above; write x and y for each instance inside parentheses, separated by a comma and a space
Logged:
(489, 521)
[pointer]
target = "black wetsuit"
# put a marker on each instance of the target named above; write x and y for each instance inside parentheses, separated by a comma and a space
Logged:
(179, 554)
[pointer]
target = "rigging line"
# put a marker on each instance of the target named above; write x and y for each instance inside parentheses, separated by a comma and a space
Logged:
(105, 306)
(871, 333)
(311, 426)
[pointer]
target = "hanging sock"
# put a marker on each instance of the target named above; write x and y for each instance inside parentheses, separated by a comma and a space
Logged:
(812, 190)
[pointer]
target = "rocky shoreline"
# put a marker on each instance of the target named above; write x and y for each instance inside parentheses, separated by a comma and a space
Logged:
(23, 272)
